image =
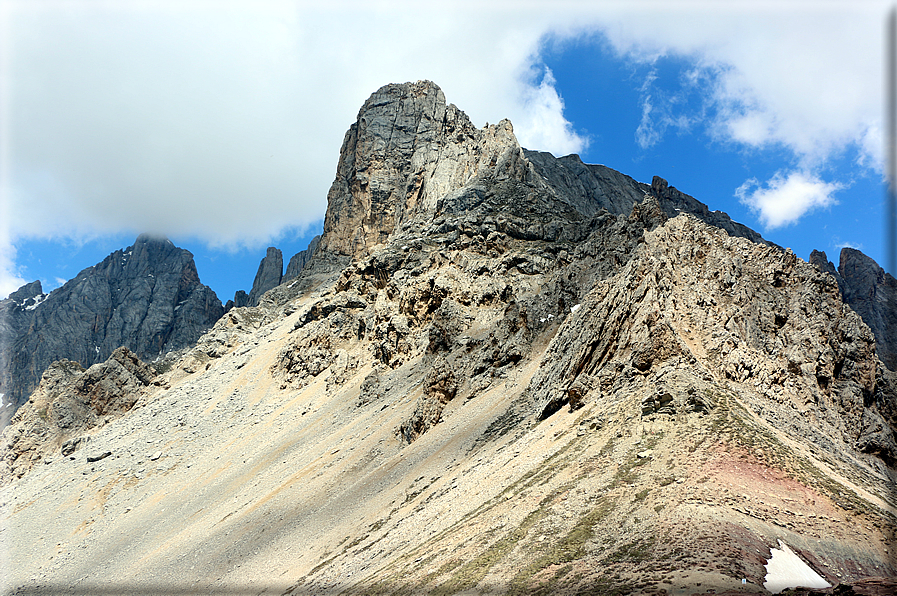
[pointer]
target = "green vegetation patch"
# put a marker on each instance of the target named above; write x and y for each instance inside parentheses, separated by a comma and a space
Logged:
(636, 551)
(569, 548)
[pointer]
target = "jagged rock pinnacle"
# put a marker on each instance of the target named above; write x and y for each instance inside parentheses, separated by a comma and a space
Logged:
(405, 151)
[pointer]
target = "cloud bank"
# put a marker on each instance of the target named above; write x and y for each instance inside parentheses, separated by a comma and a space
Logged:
(222, 121)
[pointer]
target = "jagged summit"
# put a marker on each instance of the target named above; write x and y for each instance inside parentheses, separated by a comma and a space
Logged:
(147, 297)
(406, 150)
(871, 292)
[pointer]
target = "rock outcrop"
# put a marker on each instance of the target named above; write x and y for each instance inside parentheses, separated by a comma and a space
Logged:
(69, 402)
(299, 260)
(871, 292)
(147, 297)
(271, 274)
(406, 151)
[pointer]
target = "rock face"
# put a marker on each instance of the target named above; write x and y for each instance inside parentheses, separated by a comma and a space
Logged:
(407, 150)
(268, 276)
(300, 260)
(147, 297)
(504, 381)
(871, 292)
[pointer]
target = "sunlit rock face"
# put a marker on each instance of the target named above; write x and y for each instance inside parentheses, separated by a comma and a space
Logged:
(407, 150)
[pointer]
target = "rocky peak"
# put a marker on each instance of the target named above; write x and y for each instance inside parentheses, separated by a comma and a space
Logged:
(268, 276)
(299, 260)
(548, 381)
(27, 292)
(147, 297)
(406, 150)
(872, 293)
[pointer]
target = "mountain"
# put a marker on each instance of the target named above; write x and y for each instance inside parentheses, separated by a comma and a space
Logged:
(498, 373)
(147, 297)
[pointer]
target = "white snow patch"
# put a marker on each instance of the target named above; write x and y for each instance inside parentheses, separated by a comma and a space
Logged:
(786, 570)
(575, 307)
(37, 302)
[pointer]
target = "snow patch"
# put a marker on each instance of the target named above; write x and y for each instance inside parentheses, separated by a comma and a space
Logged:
(575, 307)
(786, 570)
(38, 300)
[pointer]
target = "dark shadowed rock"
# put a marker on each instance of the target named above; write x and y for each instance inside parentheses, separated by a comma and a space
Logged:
(241, 298)
(268, 276)
(674, 202)
(872, 293)
(147, 297)
(300, 259)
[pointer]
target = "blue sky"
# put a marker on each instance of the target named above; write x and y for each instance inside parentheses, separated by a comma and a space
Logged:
(219, 124)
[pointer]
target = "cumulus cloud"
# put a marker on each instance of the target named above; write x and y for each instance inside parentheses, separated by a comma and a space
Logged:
(787, 197)
(544, 126)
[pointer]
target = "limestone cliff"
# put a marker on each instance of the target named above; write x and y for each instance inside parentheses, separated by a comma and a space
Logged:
(871, 292)
(406, 150)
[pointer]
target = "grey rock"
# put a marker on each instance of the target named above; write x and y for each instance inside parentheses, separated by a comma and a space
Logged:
(872, 293)
(674, 202)
(26, 292)
(241, 299)
(147, 297)
(300, 259)
(72, 445)
(819, 260)
(69, 401)
(406, 150)
(268, 276)
(587, 188)
(98, 457)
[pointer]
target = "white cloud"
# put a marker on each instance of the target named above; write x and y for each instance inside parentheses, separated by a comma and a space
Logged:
(806, 76)
(787, 197)
(545, 127)
(10, 280)
(661, 110)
